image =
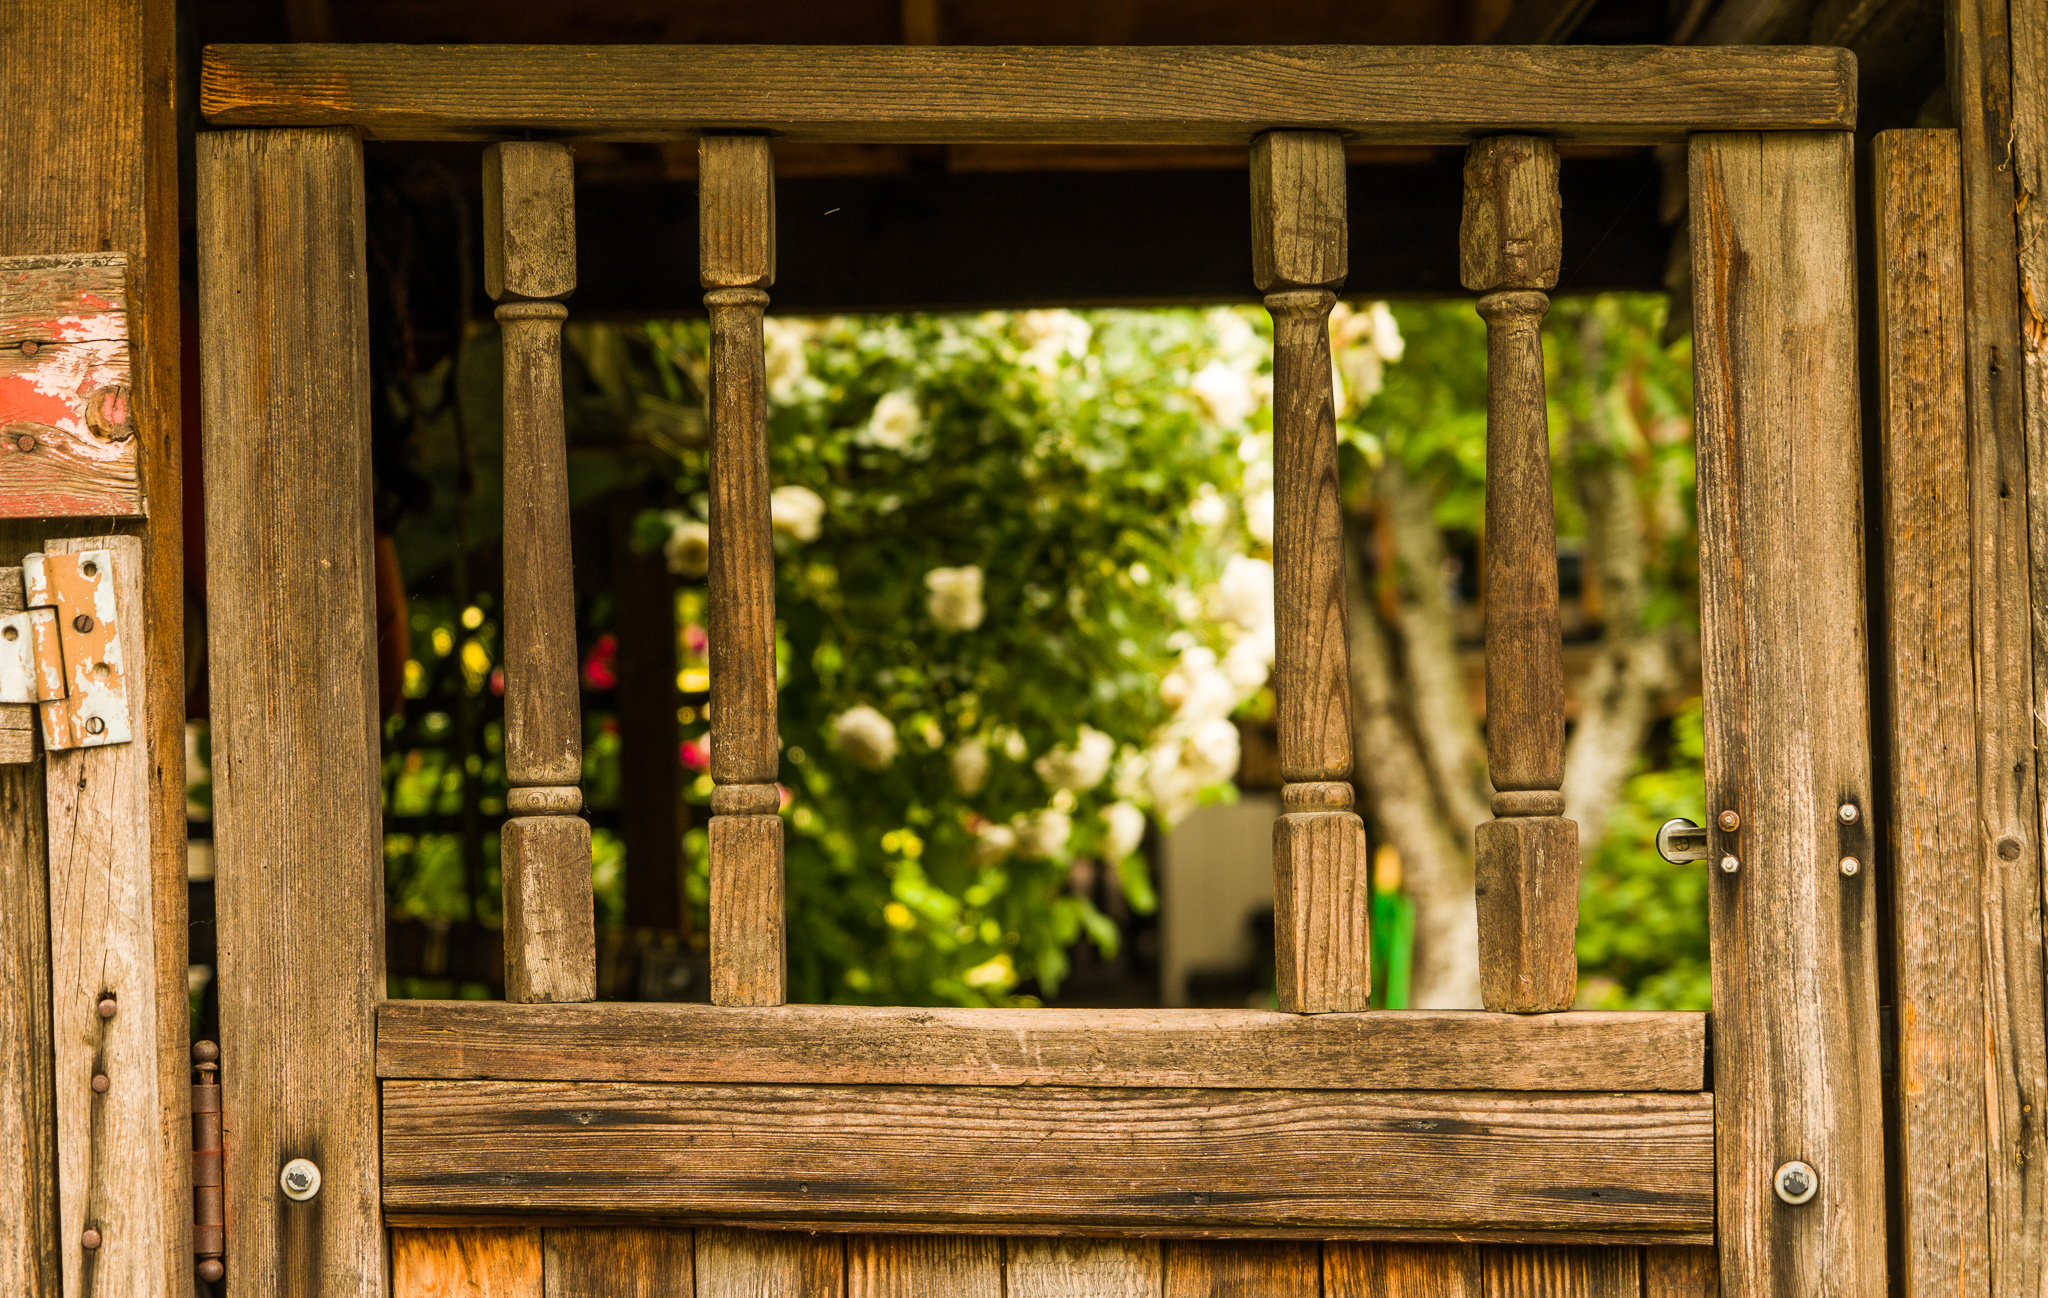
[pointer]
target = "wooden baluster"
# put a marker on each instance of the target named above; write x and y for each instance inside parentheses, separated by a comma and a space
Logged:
(736, 224)
(1320, 900)
(1527, 861)
(529, 265)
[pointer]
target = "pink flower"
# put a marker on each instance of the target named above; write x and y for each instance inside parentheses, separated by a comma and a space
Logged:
(696, 753)
(598, 673)
(695, 640)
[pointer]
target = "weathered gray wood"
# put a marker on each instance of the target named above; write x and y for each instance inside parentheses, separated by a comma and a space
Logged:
(924, 1266)
(1107, 1159)
(866, 1045)
(297, 835)
(479, 1262)
(944, 95)
(1082, 1268)
(1930, 688)
(618, 1262)
(1401, 1271)
(1204, 1269)
(769, 1264)
(28, 1118)
(2000, 352)
(1787, 723)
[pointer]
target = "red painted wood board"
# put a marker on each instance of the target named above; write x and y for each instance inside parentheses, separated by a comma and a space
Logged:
(67, 433)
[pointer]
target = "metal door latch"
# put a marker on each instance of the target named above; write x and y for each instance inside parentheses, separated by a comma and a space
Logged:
(1680, 840)
(65, 652)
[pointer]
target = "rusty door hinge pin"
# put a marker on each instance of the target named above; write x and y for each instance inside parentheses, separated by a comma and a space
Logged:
(209, 1219)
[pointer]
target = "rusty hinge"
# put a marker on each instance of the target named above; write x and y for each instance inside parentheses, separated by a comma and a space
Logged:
(209, 1219)
(64, 652)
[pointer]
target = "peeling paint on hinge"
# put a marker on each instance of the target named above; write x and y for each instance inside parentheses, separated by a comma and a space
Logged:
(74, 663)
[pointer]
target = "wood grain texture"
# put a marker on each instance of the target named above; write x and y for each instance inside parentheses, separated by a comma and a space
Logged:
(90, 170)
(1298, 211)
(873, 1045)
(110, 1157)
(769, 1264)
(950, 95)
(292, 638)
(736, 199)
(1982, 63)
(1083, 1268)
(1680, 1273)
(550, 915)
(1562, 1272)
(1512, 228)
(1526, 884)
(1206, 1269)
(1796, 1063)
(749, 959)
(1099, 1158)
(28, 1116)
(529, 214)
(1401, 1271)
(18, 721)
(473, 1263)
(1322, 905)
(67, 431)
(618, 1262)
(924, 1266)
(1930, 689)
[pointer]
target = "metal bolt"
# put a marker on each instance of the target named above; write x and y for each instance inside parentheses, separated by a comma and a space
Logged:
(1729, 821)
(1795, 1182)
(1730, 865)
(300, 1180)
(90, 1240)
(1850, 865)
(95, 725)
(82, 623)
(1847, 813)
(25, 442)
(108, 1006)
(100, 1083)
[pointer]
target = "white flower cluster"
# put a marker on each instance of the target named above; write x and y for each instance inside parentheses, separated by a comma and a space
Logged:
(1363, 342)
(953, 597)
(895, 422)
(1053, 337)
(688, 548)
(789, 374)
(865, 735)
(796, 512)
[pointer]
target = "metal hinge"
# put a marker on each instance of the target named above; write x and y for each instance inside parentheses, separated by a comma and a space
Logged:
(64, 652)
(209, 1216)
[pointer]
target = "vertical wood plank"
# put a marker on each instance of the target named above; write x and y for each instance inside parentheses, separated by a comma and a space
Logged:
(292, 640)
(28, 1118)
(736, 255)
(103, 1011)
(90, 170)
(1401, 1271)
(924, 1266)
(529, 266)
(618, 1262)
(1680, 1273)
(769, 1264)
(1082, 1268)
(1793, 935)
(1586, 1272)
(1300, 252)
(1243, 1269)
(469, 1263)
(1526, 859)
(1929, 683)
(1984, 59)
(18, 721)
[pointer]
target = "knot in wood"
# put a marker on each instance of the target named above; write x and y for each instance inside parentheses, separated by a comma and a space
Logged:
(1528, 802)
(1510, 306)
(745, 800)
(544, 800)
(510, 312)
(1301, 303)
(732, 297)
(1316, 795)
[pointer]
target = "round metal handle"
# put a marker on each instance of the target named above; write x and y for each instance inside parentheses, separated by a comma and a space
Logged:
(1679, 841)
(300, 1180)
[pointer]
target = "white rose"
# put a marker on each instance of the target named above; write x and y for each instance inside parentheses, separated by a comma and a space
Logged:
(1226, 393)
(1211, 751)
(1248, 664)
(991, 844)
(1244, 594)
(1043, 833)
(1258, 515)
(784, 346)
(1053, 336)
(895, 422)
(1175, 792)
(796, 512)
(1386, 333)
(1208, 509)
(1196, 688)
(1080, 767)
(1123, 830)
(866, 736)
(955, 599)
(969, 763)
(688, 548)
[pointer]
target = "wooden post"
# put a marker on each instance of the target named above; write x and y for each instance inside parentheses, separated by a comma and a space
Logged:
(298, 841)
(1321, 903)
(1526, 865)
(1929, 683)
(1787, 715)
(529, 266)
(736, 218)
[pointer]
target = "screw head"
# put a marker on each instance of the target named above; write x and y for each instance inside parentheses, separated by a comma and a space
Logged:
(100, 1083)
(1847, 813)
(82, 623)
(25, 442)
(300, 1180)
(1730, 865)
(1796, 1182)
(1850, 865)
(95, 725)
(1729, 821)
(90, 1240)
(29, 347)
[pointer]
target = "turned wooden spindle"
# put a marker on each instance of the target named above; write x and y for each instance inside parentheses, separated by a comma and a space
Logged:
(529, 266)
(1321, 903)
(1527, 858)
(736, 224)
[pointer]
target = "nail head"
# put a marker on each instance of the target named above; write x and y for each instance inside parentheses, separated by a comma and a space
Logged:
(107, 1006)
(90, 1240)
(100, 1083)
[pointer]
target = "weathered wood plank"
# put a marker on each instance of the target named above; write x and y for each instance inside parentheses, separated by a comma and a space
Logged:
(470, 1263)
(869, 1045)
(1561, 1272)
(618, 1262)
(1100, 1158)
(1680, 1273)
(297, 830)
(28, 1118)
(1401, 1271)
(18, 721)
(67, 428)
(1198, 1269)
(949, 95)
(769, 1264)
(1930, 688)
(103, 1009)
(1985, 63)
(1795, 971)
(924, 1266)
(1082, 1268)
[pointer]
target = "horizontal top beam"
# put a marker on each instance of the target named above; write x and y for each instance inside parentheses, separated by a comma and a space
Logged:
(1026, 94)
